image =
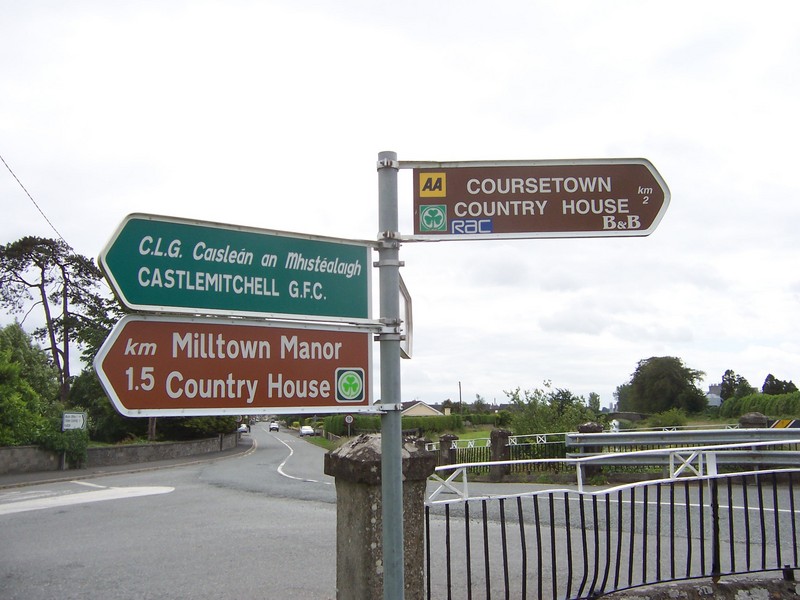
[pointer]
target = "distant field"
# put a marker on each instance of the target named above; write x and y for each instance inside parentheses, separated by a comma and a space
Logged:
(474, 434)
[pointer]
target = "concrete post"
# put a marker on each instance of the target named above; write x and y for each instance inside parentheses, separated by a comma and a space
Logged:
(498, 439)
(447, 454)
(356, 466)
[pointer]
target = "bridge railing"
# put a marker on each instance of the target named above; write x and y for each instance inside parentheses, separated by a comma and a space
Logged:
(626, 440)
(586, 542)
(683, 460)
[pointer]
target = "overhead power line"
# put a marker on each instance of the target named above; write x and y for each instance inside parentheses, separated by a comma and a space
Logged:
(49, 222)
(39, 208)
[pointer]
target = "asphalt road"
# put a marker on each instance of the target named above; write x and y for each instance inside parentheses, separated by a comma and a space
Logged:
(260, 525)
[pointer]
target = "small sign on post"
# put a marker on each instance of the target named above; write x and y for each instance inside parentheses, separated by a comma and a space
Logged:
(73, 420)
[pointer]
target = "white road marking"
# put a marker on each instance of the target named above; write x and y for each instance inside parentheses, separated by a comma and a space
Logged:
(17, 496)
(285, 474)
(89, 484)
(99, 495)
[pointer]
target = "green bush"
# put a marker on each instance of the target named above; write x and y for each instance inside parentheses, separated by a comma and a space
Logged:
(498, 419)
(730, 408)
(674, 417)
(779, 405)
(193, 428)
(73, 443)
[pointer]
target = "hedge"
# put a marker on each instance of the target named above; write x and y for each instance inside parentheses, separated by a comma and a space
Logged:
(780, 405)
(372, 423)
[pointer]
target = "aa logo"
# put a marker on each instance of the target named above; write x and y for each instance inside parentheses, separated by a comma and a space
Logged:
(432, 185)
(433, 217)
(350, 385)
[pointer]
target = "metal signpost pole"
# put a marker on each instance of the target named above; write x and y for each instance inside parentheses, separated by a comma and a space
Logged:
(391, 424)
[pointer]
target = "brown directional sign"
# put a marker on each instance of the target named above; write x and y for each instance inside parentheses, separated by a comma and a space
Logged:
(161, 366)
(528, 199)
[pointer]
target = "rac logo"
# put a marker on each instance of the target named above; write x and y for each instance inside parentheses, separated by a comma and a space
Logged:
(432, 185)
(470, 226)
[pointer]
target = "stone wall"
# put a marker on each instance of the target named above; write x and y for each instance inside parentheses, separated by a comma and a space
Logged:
(28, 459)
(741, 589)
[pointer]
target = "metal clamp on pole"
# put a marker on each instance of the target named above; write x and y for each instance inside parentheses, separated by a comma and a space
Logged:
(390, 331)
(389, 239)
(388, 163)
(388, 263)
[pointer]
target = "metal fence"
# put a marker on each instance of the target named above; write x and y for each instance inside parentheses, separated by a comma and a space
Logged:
(520, 448)
(541, 447)
(573, 543)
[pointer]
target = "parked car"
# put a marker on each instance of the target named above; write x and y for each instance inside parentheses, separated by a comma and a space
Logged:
(243, 428)
(273, 426)
(306, 430)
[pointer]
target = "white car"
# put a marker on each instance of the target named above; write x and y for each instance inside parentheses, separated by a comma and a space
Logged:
(306, 430)
(243, 428)
(273, 426)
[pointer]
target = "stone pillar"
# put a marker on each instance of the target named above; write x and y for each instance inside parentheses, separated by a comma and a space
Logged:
(356, 466)
(498, 439)
(447, 454)
(753, 420)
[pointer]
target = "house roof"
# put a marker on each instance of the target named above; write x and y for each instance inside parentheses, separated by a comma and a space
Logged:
(407, 406)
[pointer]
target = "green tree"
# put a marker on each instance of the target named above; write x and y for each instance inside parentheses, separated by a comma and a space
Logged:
(623, 397)
(480, 405)
(35, 365)
(46, 272)
(105, 423)
(594, 402)
(774, 386)
(664, 382)
(29, 406)
(21, 419)
(547, 410)
(734, 386)
(97, 319)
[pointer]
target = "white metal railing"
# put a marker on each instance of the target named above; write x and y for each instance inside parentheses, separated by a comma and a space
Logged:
(456, 444)
(513, 440)
(551, 438)
(536, 439)
(698, 461)
(689, 427)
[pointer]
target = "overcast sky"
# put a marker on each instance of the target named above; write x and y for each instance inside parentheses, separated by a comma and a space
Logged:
(272, 113)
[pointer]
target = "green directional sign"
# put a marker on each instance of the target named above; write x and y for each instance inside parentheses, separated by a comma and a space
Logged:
(170, 265)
